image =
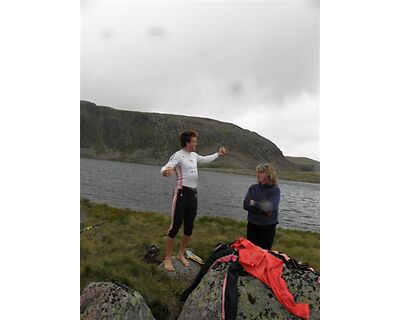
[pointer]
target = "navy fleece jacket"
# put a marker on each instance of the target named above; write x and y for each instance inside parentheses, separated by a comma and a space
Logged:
(265, 210)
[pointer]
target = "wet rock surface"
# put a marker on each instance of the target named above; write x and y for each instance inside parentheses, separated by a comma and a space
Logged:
(256, 300)
(106, 300)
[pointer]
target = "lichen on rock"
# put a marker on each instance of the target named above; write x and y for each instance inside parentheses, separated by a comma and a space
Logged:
(106, 300)
(256, 300)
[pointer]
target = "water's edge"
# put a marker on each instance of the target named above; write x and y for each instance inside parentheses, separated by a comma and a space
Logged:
(142, 188)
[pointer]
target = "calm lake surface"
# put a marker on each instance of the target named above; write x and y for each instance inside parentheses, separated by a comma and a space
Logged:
(142, 188)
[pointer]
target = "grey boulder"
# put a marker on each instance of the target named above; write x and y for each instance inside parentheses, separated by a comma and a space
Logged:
(106, 300)
(256, 300)
(181, 273)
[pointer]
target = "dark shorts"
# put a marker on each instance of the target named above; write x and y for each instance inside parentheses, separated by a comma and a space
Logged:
(184, 209)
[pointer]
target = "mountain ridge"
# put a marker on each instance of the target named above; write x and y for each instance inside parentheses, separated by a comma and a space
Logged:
(151, 138)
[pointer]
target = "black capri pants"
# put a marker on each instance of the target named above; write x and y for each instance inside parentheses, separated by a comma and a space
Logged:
(184, 209)
(262, 236)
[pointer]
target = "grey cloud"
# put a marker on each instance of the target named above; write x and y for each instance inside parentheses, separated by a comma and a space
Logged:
(221, 59)
(157, 33)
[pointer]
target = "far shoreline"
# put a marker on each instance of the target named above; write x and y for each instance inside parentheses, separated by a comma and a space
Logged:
(299, 176)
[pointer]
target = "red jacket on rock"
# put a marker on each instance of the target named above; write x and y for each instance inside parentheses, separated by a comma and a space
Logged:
(267, 268)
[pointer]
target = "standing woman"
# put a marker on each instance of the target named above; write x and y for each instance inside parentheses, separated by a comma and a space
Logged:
(262, 204)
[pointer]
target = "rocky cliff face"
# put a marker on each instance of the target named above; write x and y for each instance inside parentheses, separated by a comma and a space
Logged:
(151, 138)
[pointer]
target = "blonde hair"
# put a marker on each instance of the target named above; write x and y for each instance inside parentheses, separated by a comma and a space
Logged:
(266, 167)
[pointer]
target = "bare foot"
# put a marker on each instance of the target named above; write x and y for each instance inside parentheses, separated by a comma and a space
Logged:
(168, 264)
(182, 259)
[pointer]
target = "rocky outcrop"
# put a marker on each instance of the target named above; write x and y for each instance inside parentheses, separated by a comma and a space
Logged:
(181, 273)
(256, 300)
(106, 300)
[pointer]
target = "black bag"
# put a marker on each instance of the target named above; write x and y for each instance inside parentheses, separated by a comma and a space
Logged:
(152, 256)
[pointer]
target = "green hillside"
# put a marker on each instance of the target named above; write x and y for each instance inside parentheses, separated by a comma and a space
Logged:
(151, 138)
(305, 164)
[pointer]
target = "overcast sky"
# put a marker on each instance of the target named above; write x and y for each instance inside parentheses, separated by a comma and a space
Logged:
(254, 64)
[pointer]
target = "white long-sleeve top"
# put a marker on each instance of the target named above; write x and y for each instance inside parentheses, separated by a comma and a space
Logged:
(185, 165)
